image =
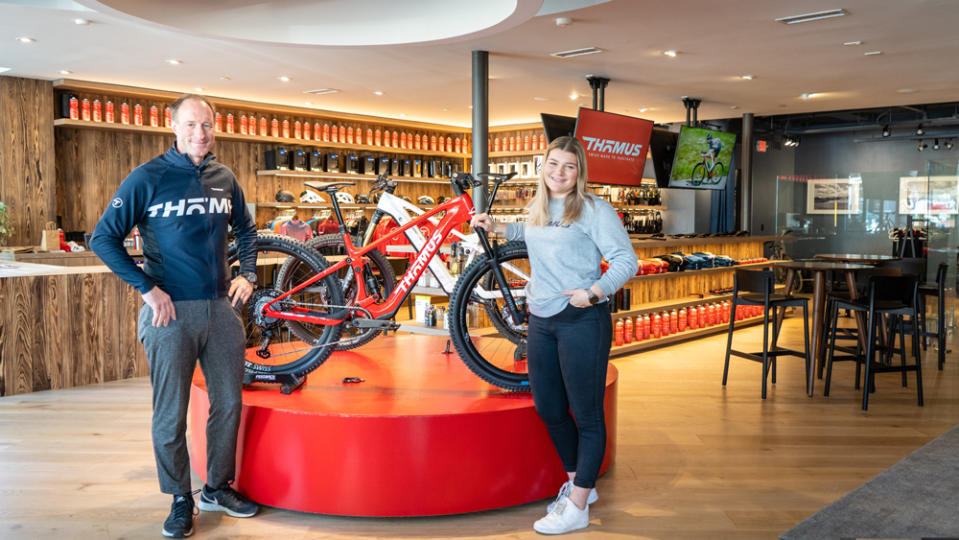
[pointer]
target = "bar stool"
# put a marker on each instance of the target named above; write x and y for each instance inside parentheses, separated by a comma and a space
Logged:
(892, 296)
(938, 290)
(760, 288)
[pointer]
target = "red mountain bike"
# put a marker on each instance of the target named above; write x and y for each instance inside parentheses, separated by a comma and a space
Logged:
(296, 316)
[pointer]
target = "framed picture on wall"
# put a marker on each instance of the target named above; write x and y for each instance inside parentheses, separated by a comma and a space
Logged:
(928, 195)
(834, 195)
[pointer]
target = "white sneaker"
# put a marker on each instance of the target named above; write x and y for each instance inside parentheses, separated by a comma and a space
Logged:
(564, 518)
(565, 490)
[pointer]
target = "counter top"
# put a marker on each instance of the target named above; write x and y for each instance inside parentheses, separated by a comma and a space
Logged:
(646, 241)
(20, 269)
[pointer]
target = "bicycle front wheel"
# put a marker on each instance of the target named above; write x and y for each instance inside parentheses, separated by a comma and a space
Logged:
(280, 346)
(481, 328)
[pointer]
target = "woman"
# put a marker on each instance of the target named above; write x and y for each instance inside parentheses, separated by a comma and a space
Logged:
(570, 331)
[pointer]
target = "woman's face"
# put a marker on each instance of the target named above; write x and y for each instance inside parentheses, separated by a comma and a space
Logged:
(560, 173)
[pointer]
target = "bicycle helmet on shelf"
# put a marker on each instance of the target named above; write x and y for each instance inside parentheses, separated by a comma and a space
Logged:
(362, 198)
(344, 197)
(310, 197)
(425, 199)
(285, 196)
(441, 200)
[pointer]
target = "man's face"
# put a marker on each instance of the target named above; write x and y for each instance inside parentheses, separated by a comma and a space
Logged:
(193, 126)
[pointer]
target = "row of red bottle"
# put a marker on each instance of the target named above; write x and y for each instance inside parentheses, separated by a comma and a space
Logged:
(665, 323)
(98, 111)
(518, 143)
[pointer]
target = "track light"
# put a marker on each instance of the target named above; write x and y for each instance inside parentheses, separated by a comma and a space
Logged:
(922, 146)
(935, 144)
(885, 130)
(949, 144)
(790, 141)
(920, 131)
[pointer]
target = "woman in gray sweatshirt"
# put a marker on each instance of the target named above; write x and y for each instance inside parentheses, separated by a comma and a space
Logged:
(569, 232)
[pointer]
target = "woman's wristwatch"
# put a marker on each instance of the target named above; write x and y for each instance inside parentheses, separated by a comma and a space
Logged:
(593, 299)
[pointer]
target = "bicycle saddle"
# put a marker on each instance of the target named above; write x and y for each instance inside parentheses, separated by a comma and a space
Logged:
(328, 187)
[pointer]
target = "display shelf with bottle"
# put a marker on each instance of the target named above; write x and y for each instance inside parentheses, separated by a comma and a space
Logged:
(123, 108)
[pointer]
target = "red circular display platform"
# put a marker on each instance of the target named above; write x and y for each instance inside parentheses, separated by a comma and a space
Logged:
(421, 436)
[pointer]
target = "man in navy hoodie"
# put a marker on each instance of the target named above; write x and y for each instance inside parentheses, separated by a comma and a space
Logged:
(184, 204)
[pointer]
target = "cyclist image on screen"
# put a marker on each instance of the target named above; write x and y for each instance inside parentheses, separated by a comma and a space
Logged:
(715, 145)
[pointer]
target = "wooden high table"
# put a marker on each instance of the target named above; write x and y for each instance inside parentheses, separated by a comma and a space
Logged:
(819, 269)
(858, 258)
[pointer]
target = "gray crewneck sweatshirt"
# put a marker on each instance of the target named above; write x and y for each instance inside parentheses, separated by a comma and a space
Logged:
(566, 258)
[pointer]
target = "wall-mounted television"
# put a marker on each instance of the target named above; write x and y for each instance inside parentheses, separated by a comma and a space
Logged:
(616, 146)
(662, 152)
(703, 158)
(555, 126)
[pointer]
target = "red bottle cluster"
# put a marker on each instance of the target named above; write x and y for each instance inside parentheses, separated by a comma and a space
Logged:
(676, 321)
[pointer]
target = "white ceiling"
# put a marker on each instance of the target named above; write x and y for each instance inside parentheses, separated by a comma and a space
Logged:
(226, 51)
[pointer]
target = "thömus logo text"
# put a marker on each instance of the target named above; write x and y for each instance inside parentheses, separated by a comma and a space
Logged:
(610, 146)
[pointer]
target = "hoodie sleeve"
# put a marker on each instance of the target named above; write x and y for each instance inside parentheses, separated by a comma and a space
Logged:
(606, 230)
(126, 209)
(244, 230)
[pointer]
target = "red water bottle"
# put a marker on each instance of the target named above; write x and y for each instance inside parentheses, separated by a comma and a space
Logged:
(628, 330)
(286, 128)
(342, 130)
(693, 322)
(433, 142)
(449, 144)
(703, 322)
(274, 128)
(108, 116)
(369, 136)
(647, 326)
(618, 333)
(404, 140)
(395, 139)
(681, 323)
(458, 146)
(218, 122)
(154, 116)
(711, 314)
(638, 326)
(97, 111)
(666, 324)
(349, 135)
(378, 137)
(167, 117)
(417, 142)
(243, 130)
(137, 115)
(85, 109)
(674, 321)
(74, 108)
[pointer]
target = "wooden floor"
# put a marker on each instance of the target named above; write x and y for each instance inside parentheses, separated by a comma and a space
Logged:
(695, 460)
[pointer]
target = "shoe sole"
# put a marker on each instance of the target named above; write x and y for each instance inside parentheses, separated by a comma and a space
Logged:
(214, 507)
(168, 534)
(562, 531)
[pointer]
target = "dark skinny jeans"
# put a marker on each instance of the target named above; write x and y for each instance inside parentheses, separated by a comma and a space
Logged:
(567, 358)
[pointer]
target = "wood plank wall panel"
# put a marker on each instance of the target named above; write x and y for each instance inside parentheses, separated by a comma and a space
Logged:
(27, 165)
(67, 330)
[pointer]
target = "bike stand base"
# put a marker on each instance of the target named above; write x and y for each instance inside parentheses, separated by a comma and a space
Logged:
(447, 349)
(287, 381)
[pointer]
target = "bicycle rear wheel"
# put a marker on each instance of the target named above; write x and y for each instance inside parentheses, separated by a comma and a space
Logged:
(498, 354)
(276, 345)
(379, 279)
(699, 174)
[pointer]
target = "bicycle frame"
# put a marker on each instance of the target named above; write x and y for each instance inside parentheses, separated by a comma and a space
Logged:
(458, 211)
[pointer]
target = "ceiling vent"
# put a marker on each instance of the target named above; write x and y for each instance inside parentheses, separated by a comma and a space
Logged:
(814, 16)
(322, 91)
(576, 52)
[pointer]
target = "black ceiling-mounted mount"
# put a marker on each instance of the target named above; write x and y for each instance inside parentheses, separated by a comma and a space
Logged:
(598, 84)
(692, 104)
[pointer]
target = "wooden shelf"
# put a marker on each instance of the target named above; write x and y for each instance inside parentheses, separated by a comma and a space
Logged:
(704, 271)
(306, 175)
(653, 343)
(520, 153)
(224, 136)
(678, 304)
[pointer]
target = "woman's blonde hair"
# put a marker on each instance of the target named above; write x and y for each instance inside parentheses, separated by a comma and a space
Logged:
(539, 206)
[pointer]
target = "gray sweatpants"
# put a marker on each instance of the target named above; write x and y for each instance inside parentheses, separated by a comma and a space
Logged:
(208, 330)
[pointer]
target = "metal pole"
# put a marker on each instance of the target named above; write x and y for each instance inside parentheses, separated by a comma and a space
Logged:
(746, 189)
(480, 125)
(598, 84)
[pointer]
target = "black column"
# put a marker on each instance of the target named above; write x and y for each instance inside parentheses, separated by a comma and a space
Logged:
(480, 125)
(746, 186)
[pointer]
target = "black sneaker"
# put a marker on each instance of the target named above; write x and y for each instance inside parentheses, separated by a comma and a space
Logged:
(226, 499)
(179, 524)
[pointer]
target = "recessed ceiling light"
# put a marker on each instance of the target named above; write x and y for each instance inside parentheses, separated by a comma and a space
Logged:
(174, 62)
(284, 78)
(574, 96)
(871, 53)
(746, 77)
(852, 43)
(82, 21)
(576, 52)
(307, 103)
(25, 39)
(906, 90)
(563, 21)
(540, 98)
(734, 107)
(469, 106)
(3, 69)
(403, 115)
(63, 71)
(197, 89)
(670, 53)
(808, 95)
(378, 92)
(643, 109)
(814, 16)
(225, 78)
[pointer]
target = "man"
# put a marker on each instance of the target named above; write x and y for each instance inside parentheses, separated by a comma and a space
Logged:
(183, 203)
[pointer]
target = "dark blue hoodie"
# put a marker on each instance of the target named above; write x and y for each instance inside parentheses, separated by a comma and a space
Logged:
(183, 212)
